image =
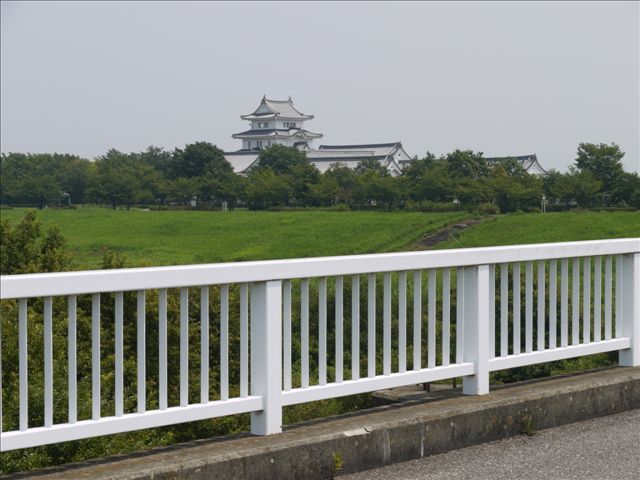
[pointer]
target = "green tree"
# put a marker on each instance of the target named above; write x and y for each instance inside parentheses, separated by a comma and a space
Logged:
(345, 179)
(602, 161)
(583, 187)
(267, 189)
(281, 159)
(198, 159)
(183, 190)
(123, 179)
(627, 190)
(41, 190)
(419, 166)
(29, 248)
(371, 165)
(466, 164)
(158, 158)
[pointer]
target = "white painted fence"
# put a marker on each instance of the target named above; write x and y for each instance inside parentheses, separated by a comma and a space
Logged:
(587, 301)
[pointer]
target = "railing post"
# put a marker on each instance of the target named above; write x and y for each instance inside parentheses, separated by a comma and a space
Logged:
(630, 325)
(476, 328)
(266, 355)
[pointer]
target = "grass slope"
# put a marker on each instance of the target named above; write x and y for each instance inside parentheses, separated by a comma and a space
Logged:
(550, 227)
(187, 237)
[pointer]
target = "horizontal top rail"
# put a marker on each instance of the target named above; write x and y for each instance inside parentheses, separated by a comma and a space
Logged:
(127, 279)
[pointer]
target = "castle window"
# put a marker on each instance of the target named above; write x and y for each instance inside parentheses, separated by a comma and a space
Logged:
(263, 125)
(259, 143)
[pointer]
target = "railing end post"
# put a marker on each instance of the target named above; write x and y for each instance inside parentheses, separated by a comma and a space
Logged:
(630, 309)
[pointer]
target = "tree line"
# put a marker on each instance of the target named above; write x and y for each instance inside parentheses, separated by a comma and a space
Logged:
(283, 177)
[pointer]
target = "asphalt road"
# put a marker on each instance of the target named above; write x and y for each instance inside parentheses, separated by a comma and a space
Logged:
(602, 448)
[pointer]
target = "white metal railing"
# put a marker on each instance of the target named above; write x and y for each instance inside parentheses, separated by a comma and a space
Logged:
(440, 315)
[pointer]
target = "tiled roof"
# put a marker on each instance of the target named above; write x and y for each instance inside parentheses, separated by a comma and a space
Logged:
(529, 163)
(241, 160)
(281, 108)
(376, 148)
(362, 146)
(291, 132)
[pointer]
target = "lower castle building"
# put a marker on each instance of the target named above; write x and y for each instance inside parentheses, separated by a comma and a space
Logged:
(278, 122)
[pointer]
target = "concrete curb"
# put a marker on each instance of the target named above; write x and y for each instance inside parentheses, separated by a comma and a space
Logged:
(381, 436)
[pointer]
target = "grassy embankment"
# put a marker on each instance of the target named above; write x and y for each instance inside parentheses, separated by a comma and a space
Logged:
(518, 229)
(187, 237)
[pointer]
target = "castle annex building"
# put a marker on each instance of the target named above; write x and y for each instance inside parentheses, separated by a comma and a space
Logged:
(278, 122)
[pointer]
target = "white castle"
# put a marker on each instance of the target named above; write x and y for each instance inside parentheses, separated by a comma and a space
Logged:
(278, 122)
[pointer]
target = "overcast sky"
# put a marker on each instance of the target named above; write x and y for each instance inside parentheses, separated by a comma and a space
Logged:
(501, 78)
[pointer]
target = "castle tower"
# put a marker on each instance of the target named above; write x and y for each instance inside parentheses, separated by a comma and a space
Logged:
(276, 122)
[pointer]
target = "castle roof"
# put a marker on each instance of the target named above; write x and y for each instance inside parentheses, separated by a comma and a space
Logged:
(529, 163)
(375, 148)
(277, 133)
(276, 109)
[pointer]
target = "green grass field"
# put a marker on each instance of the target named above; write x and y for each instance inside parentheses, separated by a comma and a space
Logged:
(550, 227)
(187, 237)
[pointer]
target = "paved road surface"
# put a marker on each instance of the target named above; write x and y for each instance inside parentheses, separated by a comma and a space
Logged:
(602, 448)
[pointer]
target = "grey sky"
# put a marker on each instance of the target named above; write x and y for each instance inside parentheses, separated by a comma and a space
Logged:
(502, 78)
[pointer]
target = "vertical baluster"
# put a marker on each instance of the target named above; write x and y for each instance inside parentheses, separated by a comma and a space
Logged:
(371, 326)
(553, 303)
(575, 303)
(95, 356)
(492, 311)
(516, 309)
(355, 327)
(322, 331)
(184, 347)
(72, 358)
(48, 362)
(386, 330)
(339, 328)
(23, 371)
(162, 348)
(244, 340)
(564, 302)
(459, 315)
(224, 342)
(504, 309)
(586, 301)
(304, 333)
(141, 360)
(597, 300)
(286, 334)
(446, 316)
(431, 359)
(387, 323)
(417, 320)
(402, 322)
(608, 288)
(204, 344)
(541, 305)
(528, 321)
(618, 294)
(119, 354)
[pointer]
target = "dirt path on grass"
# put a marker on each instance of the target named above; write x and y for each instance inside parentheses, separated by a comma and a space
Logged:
(450, 232)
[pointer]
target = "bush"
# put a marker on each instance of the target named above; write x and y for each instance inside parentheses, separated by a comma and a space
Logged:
(487, 209)
(428, 206)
